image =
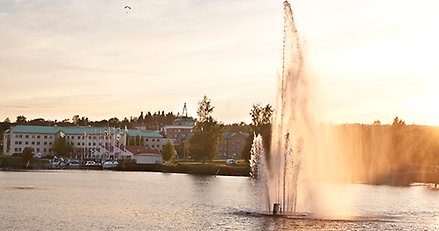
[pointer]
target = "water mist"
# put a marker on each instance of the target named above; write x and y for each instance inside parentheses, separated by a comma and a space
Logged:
(290, 169)
(306, 160)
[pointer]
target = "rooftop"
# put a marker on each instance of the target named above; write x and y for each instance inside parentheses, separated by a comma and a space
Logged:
(144, 133)
(80, 130)
(142, 150)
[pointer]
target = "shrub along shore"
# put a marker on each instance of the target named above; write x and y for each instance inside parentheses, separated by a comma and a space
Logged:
(190, 167)
(399, 177)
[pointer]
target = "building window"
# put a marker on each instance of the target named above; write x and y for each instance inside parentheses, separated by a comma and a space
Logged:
(79, 137)
(27, 136)
(38, 150)
(45, 143)
(45, 137)
(38, 143)
(79, 144)
(26, 142)
(16, 136)
(33, 143)
(147, 140)
(50, 143)
(45, 150)
(38, 137)
(33, 136)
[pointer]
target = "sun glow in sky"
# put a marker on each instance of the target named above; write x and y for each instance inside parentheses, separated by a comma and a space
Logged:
(372, 60)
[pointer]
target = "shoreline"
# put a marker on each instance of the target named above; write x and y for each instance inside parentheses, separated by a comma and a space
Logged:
(196, 168)
(219, 171)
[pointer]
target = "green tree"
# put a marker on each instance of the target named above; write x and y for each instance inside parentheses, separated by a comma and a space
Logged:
(168, 152)
(261, 122)
(205, 110)
(75, 119)
(26, 155)
(114, 122)
(141, 117)
(207, 133)
(261, 115)
(61, 147)
(83, 121)
(398, 122)
(21, 119)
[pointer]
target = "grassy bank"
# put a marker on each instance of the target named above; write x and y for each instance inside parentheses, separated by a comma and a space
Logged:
(208, 169)
(13, 162)
(192, 167)
(217, 167)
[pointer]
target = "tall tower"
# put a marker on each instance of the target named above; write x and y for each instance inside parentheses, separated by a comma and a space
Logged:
(184, 114)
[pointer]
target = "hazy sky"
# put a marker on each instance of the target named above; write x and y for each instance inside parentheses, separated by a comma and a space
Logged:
(372, 60)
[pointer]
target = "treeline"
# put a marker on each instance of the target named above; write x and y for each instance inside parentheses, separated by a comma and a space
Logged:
(372, 153)
(148, 120)
(379, 154)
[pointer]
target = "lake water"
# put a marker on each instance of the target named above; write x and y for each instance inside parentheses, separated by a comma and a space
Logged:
(110, 200)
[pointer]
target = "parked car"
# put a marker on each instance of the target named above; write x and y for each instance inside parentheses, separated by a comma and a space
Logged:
(110, 164)
(58, 163)
(90, 163)
(73, 164)
(37, 155)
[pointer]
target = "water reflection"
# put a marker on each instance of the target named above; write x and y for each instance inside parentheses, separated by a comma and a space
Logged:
(74, 200)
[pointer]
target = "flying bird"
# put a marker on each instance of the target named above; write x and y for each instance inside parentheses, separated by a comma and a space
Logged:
(127, 8)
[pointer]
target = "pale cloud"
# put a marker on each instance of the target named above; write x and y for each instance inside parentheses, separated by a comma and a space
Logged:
(94, 58)
(373, 58)
(155, 56)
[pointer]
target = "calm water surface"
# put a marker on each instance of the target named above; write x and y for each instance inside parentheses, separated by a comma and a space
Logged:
(107, 200)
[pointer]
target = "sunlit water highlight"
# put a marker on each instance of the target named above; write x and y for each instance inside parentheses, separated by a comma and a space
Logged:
(305, 156)
(106, 200)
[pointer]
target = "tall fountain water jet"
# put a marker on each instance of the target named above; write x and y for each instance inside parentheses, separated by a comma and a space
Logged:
(305, 159)
(258, 167)
(292, 124)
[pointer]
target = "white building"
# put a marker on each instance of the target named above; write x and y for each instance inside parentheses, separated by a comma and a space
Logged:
(92, 142)
(88, 141)
(147, 138)
(143, 155)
